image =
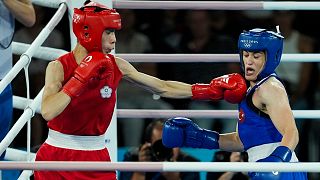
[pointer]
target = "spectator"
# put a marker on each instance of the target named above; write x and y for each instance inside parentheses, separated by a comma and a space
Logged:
(153, 150)
(224, 156)
(296, 75)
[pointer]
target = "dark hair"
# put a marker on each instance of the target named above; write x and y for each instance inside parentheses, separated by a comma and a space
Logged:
(150, 127)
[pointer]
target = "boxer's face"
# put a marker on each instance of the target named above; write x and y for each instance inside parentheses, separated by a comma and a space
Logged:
(108, 40)
(253, 64)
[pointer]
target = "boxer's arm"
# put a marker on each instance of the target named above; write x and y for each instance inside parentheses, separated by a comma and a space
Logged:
(172, 89)
(230, 142)
(273, 95)
(54, 101)
(22, 10)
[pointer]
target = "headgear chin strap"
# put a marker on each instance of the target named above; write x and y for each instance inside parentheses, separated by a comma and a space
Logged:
(262, 40)
(90, 21)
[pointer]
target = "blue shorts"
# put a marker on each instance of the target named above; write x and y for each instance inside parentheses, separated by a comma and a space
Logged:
(6, 108)
(278, 176)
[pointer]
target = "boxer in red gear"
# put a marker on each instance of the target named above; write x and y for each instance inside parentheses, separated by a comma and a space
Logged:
(80, 93)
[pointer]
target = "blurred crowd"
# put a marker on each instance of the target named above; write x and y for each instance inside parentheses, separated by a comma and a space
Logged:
(189, 32)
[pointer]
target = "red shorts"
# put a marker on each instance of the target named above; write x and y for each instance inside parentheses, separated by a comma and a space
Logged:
(51, 153)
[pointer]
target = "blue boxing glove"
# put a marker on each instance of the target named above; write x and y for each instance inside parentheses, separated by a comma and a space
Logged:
(182, 132)
(280, 154)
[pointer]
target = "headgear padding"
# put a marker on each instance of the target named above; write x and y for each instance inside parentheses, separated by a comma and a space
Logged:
(90, 21)
(262, 40)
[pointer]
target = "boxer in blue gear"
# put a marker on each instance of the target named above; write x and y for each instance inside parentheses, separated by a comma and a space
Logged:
(266, 126)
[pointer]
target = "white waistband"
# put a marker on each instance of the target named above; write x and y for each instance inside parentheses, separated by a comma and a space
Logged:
(74, 142)
(262, 151)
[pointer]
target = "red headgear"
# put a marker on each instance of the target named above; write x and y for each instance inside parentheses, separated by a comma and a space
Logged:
(90, 21)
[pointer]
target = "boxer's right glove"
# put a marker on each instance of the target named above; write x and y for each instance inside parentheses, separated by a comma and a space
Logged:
(182, 132)
(95, 65)
(231, 87)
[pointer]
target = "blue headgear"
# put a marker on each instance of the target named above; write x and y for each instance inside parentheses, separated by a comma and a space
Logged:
(262, 40)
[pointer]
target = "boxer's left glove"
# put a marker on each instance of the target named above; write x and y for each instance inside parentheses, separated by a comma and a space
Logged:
(280, 154)
(95, 65)
(231, 87)
(182, 132)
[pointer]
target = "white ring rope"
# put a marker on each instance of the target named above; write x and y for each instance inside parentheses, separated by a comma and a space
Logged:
(43, 53)
(26, 115)
(17, 155)
(49, 54)
(152, 113)
(216, 5)
(50, 4)
(25, 175)
(20, 103)
(307, 57)
(24, 60)
(163, 166)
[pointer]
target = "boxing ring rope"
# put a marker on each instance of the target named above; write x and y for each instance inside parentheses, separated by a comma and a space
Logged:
(21, 102)
(162, 166)
(159, 58)
(216, 5)
(43, 53)
(27, 114)
(17, 155)
(207, 5)
(49, 54)
(50, 4)
(145, 113)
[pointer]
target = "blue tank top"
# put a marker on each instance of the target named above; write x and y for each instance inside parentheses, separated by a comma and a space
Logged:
(254, 126)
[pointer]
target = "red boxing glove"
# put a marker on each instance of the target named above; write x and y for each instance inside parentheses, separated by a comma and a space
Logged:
(95, 65)
(206, 92)
(231, 87)
(235, 94)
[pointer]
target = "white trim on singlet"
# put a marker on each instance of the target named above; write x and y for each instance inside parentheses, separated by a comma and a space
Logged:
(74, 142)
(262, 151)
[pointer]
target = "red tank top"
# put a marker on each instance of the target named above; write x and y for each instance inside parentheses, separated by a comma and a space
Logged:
(91, 112)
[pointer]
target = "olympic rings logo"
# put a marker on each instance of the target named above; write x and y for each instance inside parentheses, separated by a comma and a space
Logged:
(247, 45)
